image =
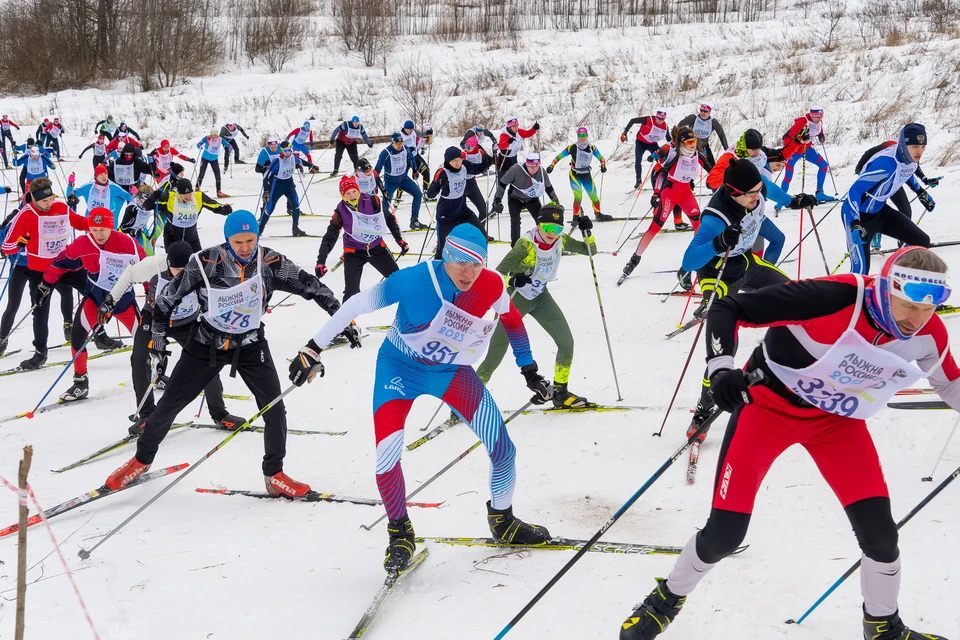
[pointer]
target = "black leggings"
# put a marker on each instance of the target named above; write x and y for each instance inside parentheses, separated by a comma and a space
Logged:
(475, 196)
(446, 225)
(379, 258)
(338, 154)
(189, 235)
(890, 222)
(229, 144)
(204, 163)
(515, 207)
(41, 315)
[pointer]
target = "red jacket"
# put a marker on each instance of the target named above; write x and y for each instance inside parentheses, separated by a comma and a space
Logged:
(85, 253)
(505, 139)
(115, 144)
(28, 222)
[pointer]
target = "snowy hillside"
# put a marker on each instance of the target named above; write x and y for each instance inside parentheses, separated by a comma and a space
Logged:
(207, 566)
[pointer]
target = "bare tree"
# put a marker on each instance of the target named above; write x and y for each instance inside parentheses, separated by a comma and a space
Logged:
(418, 89)
(364, 27)
(276, 31)
(832, 31)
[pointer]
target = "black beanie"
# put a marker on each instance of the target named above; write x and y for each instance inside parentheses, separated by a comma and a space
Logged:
(178, 255)
(184, 186)
(452, 153)
(915, 133)
(129, 148)
(752, 139)
(551, 213)
(741, 175)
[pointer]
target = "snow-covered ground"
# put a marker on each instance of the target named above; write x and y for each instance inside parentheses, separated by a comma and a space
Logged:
(205, 566)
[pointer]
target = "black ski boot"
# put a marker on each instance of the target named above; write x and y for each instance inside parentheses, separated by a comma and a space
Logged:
(704, 410)
(563, 399)
(3, 345)
(685, 280)
(701, 311)
(79, 390)
(654, 615)
(603, 217)
(891, 628)
(401, 547)
(416, 225)
(506, 528)
(105, 342)
(67, 331)
(37, 360)
(631, 265)
(682, 226)
(136, 426)
(299, 233)
(230, 421)
(636, 185)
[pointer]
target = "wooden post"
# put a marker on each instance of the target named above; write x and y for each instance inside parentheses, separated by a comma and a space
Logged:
(22, 543)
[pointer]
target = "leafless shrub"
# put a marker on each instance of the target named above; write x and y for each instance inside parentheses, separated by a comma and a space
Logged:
(943, 14)
(418, 89)
(829, 34)
(364, 27)
(276, 30)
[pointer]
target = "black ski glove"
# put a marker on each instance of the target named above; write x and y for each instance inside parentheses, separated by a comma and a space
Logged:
(822, 138)
(584, 223)
(105, 312)
(352, 333)
(729, 389)
(520, 280)
(655, 201)
(803, 201)
(41, 295)
(497, 206)
(603, 168)
(858, 233)
(926, 200)
(728, 239)
(536, 126)
(536, 383)
(158, 349)
(931, 182)
(550, 169)
(306, 364)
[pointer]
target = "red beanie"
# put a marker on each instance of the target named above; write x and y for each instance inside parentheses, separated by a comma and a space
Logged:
(101, 168)
(164, 143)
(101, 217)
(347, 183)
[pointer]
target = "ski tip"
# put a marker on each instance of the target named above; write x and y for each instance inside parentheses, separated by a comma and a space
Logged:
(179, 467)
(790, 621)
(205, 490)
(29, 415)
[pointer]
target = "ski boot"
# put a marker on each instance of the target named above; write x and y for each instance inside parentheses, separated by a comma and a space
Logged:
(67, 331)
(631, 264)
(507, 528)
(603, 217)
(240, 162)
(891, 628)
(703, 411)
(221, 194)
(416, 225)
(333, 174)
(231, 422)
(636, 185)
(875, 244)
(79, 390)
(136, 426)
(681, 226)
(822, 197)
(34, 362)
(685, 280)
(564, 399)
(126, 474)
(298, 232)
(3, 345)
(701, 311)
(105, 342)
(653, 615)
(283, 485)
(401, 547)
(313, 169)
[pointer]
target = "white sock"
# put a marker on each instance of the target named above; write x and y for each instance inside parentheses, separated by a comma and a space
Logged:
(688, 571)
(880, 585)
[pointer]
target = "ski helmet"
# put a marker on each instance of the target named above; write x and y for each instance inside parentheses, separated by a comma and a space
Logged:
(306, 125)
(914, 285)
(408, 124)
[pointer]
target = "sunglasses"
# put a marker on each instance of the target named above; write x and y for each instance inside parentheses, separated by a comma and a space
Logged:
(922, 292)
(550, 227)
(702, 110)
(690, 143)
(736, 192)
(532, 163)
(582, 135)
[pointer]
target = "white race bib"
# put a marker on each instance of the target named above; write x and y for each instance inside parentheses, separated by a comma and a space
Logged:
(185, 214)
(702, 128)
(54, 235)
(112, 266)
(398, 163)
(99, 149)
(163, 161)
(750, 225)
(367, 183)
(188, 307)
(657, 134)
(535, 190)
(123, 173)
(214, 144)
(286, 167)
(368, 228)
(457, 184)
(35, 166)
(237, 309)
(814, 128)
(548, 263)
(583, 159)
(686, 169)
(302, 136)
(353, 134)
(99, 196)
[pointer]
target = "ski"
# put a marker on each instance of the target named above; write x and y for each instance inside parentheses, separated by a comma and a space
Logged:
(11, 353)
(934, 245)
(306, 235)
(675, 294)
(568, 544)
(313, 496)
(946, 309)
(622, 279)
(15, 370)
(388, 587)
(46, 407)
(692, 462)
(449, 423)
(688, 325)
(915, 392)
(290, 432)
(918, 406)
(90, 496)
(598, 408)
(382, 327)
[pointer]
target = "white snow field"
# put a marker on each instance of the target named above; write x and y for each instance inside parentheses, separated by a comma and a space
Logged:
(206, 566)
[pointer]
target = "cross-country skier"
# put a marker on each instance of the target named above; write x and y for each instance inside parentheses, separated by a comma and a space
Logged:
(158, 270)
(798, 146)
(210, 157)
(430, 359)
(39, 133)
(345, 137)
(120, 141)
(528, 183)
(364, 222)
(652, 133)
(581, 154)
(481, 133)
(279, 177)
(528, 268)
(812, 394)
(703, 124)
(416, 140)
(368, 180)
(450, 185)
(233, 282)
(52, 132)
(99, 148)
(510, 142)
(35, 165)
(129, 169)
(181, 208)
(7, 134)
(865, 211)
(104, 254)
(228, 133)
(142, 223)
(99, 192)
(302, 137)
(476, 154)
(162, 157)
(107, 127)
(393, 163)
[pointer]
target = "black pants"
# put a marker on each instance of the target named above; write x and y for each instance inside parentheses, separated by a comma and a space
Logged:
(707, 154)
(142, 371)
(54, 143)
(229, 144)
(189, 235)
(902, 203)
(639, 149)
(424, 170)
(98, 160)
(194, 371)
(338, 154)
(41, 315)
(353, 262)
(446, 225)
(7, 135)
(475, 196)
(890, 222)
(204, 163)
(514, 206)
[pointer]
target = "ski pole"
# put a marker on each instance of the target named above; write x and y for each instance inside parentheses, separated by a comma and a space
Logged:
(823, 145)
(203, 399)
(824, 217)
(603, 317)
(305, 196)
(442, 403)
(90, 335)
(636, 226)
(800, 242)
(929, 478)
(634, 202)
(696, 339)
(819, 244)
(452, 462)
(9, 275)
(143, 401)
(17, 326)
(752, 378)
(933, 494)
(426, 236)
(85, 554)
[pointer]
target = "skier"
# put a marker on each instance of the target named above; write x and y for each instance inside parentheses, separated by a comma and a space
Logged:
(35, 166)
(129, 169)
(104, 253)
(99, 148)
(817, 328)
(799, 145)
(529, 266)
(302, 138)
(162, 157)
(181, 208)
(703, 124)
(678, 164)
(52, 132)
(396, 158)
(368, 180)
(210, 157)
(6, 134)
(228, 133)
(37, 233)
(527, 184)
(510, 143)
(107, 127)
(865, 210)
(279, 177)
(158, 270)
(582, 154)
(142, 223)
(476, 154)
(99, 192)
(233, 282)
(124, 132)
(363, 221)
(120, 141)
(419, 351)
(416, 141)
(450, 184)
(39, 133)
(345, 137)
(652, 132)
(481, 134)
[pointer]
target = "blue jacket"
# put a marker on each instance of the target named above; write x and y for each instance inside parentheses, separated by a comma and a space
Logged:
(118, 197)
(208, 155)
(384, 161)
(880, 178)
(46, 163)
